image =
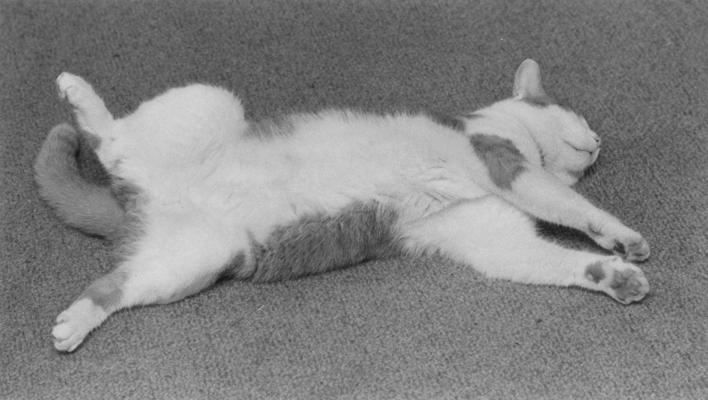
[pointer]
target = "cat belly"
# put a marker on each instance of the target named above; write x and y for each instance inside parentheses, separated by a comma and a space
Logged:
(317, 199)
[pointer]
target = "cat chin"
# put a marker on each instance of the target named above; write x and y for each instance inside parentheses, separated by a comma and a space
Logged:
(570, 178)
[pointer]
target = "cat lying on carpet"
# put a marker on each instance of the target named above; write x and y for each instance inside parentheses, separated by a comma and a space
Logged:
(199, 192)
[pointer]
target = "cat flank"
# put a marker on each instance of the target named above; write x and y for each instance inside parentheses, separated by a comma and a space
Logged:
(198, 193)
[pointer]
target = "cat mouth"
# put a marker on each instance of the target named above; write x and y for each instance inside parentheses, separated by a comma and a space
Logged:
(585, 149)
(592, 153)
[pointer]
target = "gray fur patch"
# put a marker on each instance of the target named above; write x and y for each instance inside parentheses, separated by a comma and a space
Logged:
(270, 127)
(125, 193)
(563, 236)
(594, 272)
(473, 115)
(107, 291)
(92, 140)
(449, 121)
(237, 267)
(503, 160)
(320, 242)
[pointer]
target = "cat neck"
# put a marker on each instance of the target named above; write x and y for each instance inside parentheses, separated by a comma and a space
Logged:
(512, 119)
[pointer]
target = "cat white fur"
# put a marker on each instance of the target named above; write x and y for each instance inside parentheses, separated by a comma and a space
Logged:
(207, 187)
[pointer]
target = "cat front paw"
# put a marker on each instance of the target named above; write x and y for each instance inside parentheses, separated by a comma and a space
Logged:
(622, 241)
(75, 323)
(622, 281)
(632, 249)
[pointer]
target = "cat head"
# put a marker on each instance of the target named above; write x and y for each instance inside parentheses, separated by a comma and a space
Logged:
(568, 145)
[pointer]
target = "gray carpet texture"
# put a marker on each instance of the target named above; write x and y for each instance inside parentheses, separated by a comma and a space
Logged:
(396, 329)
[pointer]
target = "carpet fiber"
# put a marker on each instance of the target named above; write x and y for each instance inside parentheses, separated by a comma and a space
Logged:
(397, 329)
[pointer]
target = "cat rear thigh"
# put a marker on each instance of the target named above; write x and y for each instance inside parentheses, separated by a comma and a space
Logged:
(164, 267)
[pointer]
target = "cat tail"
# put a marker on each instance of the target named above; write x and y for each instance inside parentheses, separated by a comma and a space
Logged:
(91, 208)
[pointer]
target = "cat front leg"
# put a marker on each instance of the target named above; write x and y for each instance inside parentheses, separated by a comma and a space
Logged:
(545, 197)
(500, 241)
(611, 234)
(504, 171)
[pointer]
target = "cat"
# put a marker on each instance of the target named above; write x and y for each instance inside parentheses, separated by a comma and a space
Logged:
(198, 192)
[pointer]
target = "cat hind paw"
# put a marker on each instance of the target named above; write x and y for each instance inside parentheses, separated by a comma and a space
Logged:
(75, 323)
(72, 88)
(91, 113)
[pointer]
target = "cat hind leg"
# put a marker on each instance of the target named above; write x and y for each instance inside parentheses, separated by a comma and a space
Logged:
(90, 110)
(96, 303)
(126, 286)
(170, 265)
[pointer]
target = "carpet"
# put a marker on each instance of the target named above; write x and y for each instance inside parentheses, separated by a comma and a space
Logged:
(397, 329)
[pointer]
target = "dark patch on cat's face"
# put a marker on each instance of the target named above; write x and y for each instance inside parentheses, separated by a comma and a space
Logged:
(320, 242)
(503, 160)
(449, 121)
(594, 272)
(106, 292)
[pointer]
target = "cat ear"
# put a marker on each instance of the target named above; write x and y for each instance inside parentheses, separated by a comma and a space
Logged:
(527, 82)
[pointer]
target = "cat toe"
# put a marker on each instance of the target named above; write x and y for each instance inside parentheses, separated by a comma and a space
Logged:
(68, 86)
